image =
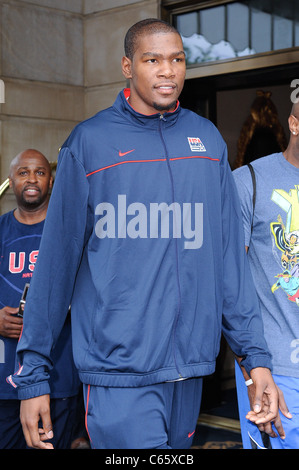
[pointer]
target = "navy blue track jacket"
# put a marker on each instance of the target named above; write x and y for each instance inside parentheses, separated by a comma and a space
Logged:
(144, 238)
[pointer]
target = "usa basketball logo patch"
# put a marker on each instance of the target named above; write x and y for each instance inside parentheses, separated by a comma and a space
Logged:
(196, 144)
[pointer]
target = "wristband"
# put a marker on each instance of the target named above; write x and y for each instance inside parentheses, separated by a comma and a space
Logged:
(248, 382)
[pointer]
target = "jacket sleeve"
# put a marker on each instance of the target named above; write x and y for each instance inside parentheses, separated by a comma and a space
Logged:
(51, 287)
(242, 320)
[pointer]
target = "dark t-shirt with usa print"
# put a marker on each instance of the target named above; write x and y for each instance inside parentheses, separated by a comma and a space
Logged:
(19, 247)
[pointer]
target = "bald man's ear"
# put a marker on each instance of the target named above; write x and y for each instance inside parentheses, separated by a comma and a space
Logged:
(293, 124)
(126, 65)
(51, 182)
(10, 182)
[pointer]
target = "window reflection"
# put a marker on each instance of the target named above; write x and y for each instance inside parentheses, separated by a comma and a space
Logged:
(261, 25)
(212, 23)
(238, 29)
(238, 26)
(282, 33)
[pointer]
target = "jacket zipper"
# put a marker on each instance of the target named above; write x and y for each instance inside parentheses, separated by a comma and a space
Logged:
(162, 118)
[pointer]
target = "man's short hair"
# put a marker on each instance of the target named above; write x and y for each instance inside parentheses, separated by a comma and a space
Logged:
(148, 26)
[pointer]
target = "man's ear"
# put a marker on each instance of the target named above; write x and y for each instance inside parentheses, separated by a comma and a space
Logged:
(293, 124)
(51, 182)
(126, 65)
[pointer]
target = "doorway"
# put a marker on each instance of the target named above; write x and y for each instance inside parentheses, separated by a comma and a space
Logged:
(226, 99)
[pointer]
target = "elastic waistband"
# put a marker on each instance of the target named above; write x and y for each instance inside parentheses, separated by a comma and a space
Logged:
(122, 379)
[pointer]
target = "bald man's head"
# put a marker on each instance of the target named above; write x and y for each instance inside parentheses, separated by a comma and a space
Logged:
(30, 153)
(295, 110)
(30, 178)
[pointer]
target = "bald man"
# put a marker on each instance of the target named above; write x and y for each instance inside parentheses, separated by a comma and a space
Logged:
(31, 180)
(20, 232)
(272, 241)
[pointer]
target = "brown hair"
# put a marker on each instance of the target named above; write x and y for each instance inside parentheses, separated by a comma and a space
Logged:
(263, 115)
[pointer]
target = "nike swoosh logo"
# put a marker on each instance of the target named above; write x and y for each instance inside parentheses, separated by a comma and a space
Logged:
(122, 154)
(191, 434)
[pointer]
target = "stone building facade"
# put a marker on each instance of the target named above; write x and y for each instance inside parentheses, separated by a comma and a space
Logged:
(59, 64)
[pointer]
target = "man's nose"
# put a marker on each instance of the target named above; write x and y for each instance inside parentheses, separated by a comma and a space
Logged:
(31, 177)
(166, 69)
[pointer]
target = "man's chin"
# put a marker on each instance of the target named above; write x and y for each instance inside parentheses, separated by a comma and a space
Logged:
(31, 204)
(165, 107)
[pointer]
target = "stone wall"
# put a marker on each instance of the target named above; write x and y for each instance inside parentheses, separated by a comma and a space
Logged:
(108, 21)
(60, 63)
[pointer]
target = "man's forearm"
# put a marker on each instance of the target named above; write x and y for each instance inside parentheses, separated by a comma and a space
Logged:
(239, 360)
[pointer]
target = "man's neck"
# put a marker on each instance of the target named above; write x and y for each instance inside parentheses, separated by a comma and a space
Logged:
(30, 217)
(292, 156)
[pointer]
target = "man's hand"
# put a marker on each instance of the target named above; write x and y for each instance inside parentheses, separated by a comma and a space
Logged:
(32, 410)
(266, 402)
(10, 324)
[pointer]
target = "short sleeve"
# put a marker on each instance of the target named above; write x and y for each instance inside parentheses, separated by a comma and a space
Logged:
(244, 185)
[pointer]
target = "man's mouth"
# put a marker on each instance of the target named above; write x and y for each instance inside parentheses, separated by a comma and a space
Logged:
(31, 191)
(165, 88)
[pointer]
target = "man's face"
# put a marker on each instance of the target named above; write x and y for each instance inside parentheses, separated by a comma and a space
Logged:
(156, 72)
(31, 179)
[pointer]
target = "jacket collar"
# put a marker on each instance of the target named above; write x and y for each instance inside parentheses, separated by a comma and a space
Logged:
(124, 107)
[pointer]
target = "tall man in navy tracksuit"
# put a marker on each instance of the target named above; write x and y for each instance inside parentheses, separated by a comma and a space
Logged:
(145, 224)
(20, 235)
